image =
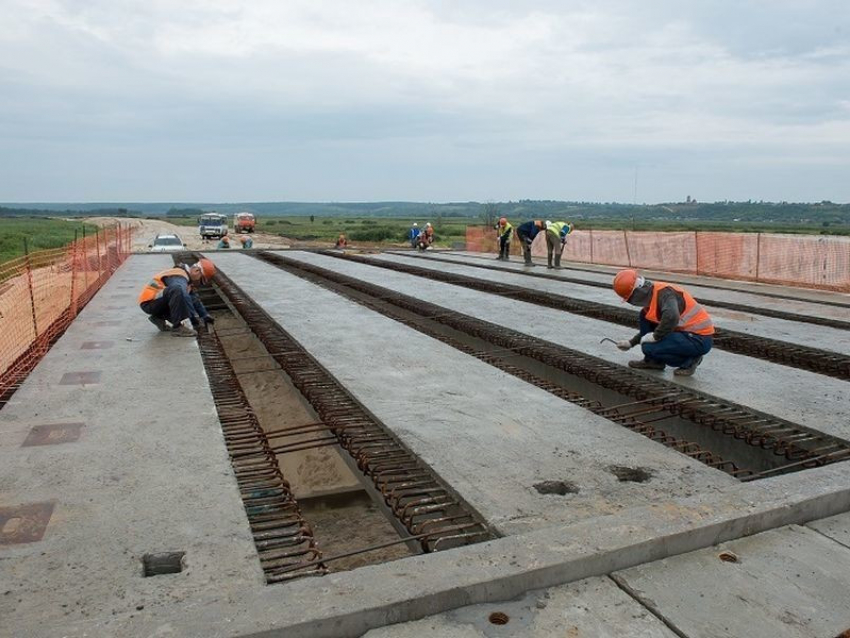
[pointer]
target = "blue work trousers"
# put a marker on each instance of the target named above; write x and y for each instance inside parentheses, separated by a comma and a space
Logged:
(176, 303)
(677, 349)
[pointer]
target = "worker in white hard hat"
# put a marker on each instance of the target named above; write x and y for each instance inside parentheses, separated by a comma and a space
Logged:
(413, 234)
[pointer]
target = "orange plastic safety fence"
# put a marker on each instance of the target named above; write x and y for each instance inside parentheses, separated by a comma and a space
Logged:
(794, 260)
(42, 292)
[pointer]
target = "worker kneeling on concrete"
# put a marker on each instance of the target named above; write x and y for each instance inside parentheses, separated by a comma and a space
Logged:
(172, 295)
(675, 330)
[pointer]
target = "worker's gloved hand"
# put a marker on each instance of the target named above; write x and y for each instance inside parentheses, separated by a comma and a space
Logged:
(624, 344)
(649, 337)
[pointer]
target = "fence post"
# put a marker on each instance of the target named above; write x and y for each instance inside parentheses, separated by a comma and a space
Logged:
(97, 247)
(85, 264)
(696, 251)
(758, 254)
(31, 291)
(73, 303)
(628, 252)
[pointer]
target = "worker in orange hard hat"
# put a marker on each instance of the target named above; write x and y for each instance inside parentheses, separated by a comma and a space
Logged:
(171, 296)
(503, 229)
(675, 330)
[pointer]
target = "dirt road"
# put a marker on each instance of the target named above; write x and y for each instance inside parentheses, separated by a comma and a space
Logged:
(147, 229)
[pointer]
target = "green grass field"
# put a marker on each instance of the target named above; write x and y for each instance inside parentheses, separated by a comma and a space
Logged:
(39, 232)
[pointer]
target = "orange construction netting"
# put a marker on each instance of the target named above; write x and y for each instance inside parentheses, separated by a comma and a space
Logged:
(810, 261)
(42, 292)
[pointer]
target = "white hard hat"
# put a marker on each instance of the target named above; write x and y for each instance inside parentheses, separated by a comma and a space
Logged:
(548, 223)
(415, 224)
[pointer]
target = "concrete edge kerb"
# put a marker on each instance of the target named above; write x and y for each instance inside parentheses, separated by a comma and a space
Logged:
(351, 603)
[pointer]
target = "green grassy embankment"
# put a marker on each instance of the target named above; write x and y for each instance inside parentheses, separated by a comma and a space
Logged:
(39, 232)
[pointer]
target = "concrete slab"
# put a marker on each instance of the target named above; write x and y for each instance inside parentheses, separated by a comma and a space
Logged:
(786, 583)
(489, 435)
(835, 527)
(819, 402)
(823, 337)
(594, 607)
(148, 472)
(733, 286)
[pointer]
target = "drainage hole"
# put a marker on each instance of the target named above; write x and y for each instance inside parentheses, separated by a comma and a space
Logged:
(630, 474)
(499, 618)
(561, 488)
(163, 563)
(728, 557)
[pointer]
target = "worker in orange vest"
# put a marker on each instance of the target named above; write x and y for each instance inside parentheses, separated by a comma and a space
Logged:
(172, 295)
(675, 330)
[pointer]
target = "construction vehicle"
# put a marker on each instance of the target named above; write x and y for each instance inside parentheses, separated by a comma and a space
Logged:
(244, 222)
(212, 225)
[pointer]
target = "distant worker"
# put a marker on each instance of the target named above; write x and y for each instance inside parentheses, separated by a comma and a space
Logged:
(504, 230)
(526, 232)
(341, 242)
(224, 242)
(247, 241)
(675, 330)
(556, 238)
(425, 238)
(413, 234)
(171, 295)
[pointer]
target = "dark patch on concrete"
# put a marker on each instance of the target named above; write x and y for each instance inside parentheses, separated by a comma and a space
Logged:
(630, 474)
(162, 563)
(80, 378)
(561, 488)
(53, 434)
(105, 324)
(96, 345)
(24, 523)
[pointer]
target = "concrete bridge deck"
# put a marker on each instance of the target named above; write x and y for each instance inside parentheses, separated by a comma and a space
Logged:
(613, 558)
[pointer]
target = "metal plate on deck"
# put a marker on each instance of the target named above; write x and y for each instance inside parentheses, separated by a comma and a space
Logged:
(53, 434)
(24, 523)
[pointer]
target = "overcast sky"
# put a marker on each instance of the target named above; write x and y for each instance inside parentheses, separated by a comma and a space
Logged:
(455, 100)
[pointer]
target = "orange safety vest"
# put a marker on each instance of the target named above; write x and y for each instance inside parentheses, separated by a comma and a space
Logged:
(694, 317)
(155, 287)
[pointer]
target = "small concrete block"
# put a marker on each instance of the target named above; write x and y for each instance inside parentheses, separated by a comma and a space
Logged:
(80, 378)
(53, 434)
(96, 345)
(24, 523)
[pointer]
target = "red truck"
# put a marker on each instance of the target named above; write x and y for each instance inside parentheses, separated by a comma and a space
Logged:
(244, 222)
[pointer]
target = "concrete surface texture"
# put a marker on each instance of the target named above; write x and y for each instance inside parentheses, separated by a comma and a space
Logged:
(738, 290)
(819, 402)
(148, 474)
(787, 583)
(591, 608)
(489, 435)
(828, 338)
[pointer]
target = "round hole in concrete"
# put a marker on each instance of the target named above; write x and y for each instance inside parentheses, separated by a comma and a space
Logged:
(630, 474)
(499, 618)
(728, 557)
(561, 488)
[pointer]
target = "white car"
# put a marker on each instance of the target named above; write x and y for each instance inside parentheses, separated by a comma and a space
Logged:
(166, 244)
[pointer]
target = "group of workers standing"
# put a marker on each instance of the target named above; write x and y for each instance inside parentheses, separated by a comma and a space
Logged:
(556, 239)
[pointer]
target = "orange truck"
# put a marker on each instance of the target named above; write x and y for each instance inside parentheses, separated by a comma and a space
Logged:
(244, 222)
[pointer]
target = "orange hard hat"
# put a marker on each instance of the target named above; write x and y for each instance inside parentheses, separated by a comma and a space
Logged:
(503, 221)
(625, 283)
(207, 268)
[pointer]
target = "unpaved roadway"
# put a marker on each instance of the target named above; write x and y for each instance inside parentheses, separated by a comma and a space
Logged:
(147, 229)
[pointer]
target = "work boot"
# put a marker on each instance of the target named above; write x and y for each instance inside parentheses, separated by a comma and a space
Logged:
(687, 372)
(557, 261)
(646, 364)
(183, 331)
(159, 322)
